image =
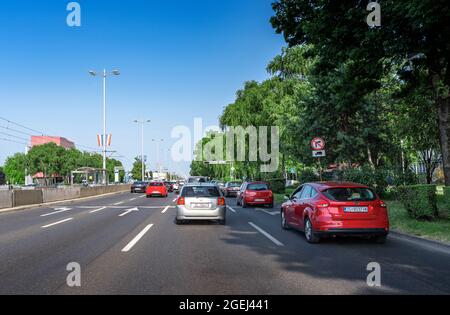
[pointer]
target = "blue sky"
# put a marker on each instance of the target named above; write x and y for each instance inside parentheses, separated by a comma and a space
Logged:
(179, 60)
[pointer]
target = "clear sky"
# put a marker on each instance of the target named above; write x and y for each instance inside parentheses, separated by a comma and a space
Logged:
(178, 60)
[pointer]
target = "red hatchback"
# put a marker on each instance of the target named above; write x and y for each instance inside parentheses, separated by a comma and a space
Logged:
(156, 189)
(255, 194)
(331, 209)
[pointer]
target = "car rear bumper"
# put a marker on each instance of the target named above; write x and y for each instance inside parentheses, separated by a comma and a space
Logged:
(252, 201)
(354, 232)
(231, 193)
(186, 214)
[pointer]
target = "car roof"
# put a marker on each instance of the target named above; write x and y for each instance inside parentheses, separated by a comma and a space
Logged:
(327, 185)
(200, 184)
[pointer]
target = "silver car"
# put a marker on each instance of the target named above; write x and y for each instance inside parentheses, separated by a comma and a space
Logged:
(201, 201)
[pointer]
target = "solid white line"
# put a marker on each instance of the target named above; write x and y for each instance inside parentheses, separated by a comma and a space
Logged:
(270, 237)
(59, 222)
(165, 209)
(231, 209)
(97, 210)
(272, 213)
(56, 212)
(136, 239)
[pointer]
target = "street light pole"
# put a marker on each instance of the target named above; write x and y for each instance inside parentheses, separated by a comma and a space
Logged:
(105, 74)
(157, 153)
(142, 122)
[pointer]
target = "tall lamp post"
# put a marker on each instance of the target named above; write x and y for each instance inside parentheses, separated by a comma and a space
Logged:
(158, 142)
(104, 74)
(142, 122)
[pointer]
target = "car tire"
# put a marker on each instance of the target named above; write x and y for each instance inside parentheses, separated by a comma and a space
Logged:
(223, 222)
(380, 239)
(244, 204)
(284, 223)
(271, 205)
(179, 222)
(311, 237)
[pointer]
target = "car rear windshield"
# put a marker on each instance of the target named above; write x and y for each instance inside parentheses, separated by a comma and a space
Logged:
(139, 183)
(258, 186)
(200, 191)
(234, 184)
(156, 184)
(350, 194)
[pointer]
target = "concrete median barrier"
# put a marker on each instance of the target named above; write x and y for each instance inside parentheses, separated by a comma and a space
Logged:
(27, 197)
(60, 194)
(19, 198)
(6, 199)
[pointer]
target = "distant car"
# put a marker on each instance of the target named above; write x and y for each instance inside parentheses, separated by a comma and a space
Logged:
(197, 179)
(201, 202)
(176, 186)
(169, 186)
(255, 194)
(231, 189)
(139, 187)
(156, 189)
(332, 209)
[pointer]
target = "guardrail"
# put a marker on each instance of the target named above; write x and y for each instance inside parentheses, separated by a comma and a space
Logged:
(17, 198)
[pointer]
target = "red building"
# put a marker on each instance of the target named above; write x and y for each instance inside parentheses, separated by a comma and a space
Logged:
(62, 142)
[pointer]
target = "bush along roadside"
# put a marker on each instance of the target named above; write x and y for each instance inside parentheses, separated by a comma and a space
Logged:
(446, 198)
(420, 201)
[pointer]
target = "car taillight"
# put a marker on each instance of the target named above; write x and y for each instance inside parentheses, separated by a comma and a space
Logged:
(322, 204)
(181, 201)
(221, 201)
(383, 205)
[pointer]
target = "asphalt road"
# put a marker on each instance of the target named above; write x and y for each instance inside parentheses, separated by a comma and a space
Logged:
(127, 244)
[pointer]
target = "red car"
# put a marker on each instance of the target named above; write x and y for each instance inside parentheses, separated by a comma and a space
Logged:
(255, 194)
(331, 209)
(157, 189)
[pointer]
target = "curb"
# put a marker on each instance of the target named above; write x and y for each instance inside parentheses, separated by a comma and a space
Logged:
(42, 205)
(420, 239)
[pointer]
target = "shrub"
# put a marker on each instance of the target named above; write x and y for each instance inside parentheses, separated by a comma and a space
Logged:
(375, 178)
(307, 176)
(447, 198)
(420, 201)
(278, 185)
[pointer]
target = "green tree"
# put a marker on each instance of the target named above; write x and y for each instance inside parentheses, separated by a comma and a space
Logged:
(137, 168)
(14, 169)
(353, 58)
(48, 159)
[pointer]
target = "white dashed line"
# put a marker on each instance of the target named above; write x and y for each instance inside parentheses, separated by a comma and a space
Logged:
(133, 199)
(270, 237)
(58, 210)
(97, 210)
(231, 209)
(136, 239)
(118, 203)
(56, 223)
(165, 209)
(175, 200)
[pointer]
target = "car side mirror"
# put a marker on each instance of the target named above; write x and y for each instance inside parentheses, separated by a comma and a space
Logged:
(287, 198)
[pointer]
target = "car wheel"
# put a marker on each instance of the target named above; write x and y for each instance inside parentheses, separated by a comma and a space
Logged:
(309, 233)
(284, 223)
(238, 202)
(178, 222)
(270, 205)
(380, 239)
(244, 204)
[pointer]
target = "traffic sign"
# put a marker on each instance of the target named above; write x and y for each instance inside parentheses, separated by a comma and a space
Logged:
(318, 144)
(319, 154)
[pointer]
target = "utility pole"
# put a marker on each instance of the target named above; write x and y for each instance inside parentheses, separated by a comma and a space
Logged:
(105, 74)
(142, 122)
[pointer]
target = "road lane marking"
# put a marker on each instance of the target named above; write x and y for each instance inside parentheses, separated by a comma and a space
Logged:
(272, 213)
(118, 203)
(231, 209)
(270, 237)
(142, 196)
(175, 200)
(136, 239)
(97, 210)
(165, 209)
(56, 223)
(133, 199)
(128, 211)
(58, 210)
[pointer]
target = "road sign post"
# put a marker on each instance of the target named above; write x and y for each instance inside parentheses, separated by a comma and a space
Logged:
(318, 151)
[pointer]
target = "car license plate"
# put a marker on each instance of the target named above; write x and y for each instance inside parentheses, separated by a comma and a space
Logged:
(200, 205)
(260, 200)
(356, 209)
(156, 193)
